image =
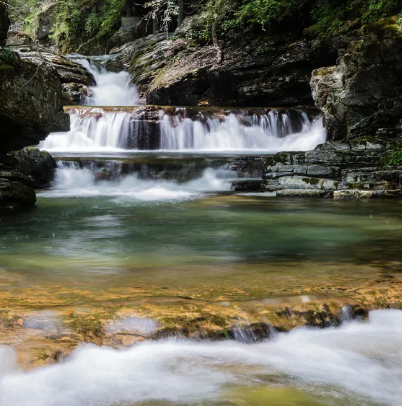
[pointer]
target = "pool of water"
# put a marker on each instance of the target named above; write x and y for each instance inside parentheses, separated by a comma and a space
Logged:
(96, 245)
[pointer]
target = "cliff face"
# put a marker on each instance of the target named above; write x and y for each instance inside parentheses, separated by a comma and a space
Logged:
(256, 70)
(30, 108)
(361, 93)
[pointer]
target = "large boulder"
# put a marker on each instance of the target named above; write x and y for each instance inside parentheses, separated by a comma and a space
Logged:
(37, 164)
(4, 23)
(360, 94)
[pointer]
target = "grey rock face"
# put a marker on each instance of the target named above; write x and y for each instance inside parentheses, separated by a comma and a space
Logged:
(255, 71)
(360, 95)
(347, 167)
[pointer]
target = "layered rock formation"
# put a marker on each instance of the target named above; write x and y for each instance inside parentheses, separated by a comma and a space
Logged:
(341, 169)
(268, 71)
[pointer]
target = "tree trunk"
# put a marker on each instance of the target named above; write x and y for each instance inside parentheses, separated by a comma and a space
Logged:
(181, 13)
(129, 11)
(215, 41)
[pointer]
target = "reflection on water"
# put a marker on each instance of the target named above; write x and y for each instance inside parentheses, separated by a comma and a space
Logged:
(99, 234)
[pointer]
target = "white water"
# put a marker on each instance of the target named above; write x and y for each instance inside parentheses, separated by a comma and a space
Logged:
(76, 182)
(271, 132)
(112, 89)
(356, 364)
(114, 131)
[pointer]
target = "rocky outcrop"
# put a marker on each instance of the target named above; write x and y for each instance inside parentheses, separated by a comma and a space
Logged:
(4, 23)
(75, 80)
(360, 94)
(263, 70)
(30, 104)
(356, 168)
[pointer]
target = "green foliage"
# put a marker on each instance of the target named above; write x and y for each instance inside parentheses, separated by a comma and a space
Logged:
(81, 21)
(395, 159)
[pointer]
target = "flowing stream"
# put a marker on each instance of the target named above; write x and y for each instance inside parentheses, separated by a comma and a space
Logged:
(143, 215)
(324, 367)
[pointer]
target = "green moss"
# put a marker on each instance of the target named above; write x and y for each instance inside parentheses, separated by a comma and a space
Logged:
(311, 181)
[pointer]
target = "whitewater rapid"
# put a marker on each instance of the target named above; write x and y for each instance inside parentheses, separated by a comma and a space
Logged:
(356, 364)
(72, 181)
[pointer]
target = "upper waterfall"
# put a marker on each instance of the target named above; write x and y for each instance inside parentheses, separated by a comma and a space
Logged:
(112, 89)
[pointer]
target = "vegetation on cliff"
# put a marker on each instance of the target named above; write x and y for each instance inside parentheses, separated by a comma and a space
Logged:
(80, 23)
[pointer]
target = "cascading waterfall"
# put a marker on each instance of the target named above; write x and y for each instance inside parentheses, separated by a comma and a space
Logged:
(275, 131)
(112, 89)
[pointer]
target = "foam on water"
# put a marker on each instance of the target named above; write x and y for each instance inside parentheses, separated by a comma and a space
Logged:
(76, 182)
(360, 363)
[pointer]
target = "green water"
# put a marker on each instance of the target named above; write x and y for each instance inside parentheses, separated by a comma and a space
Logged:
(99, 236)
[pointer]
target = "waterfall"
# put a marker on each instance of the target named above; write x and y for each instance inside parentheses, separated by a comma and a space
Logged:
(73, 181)
(277, 130)
(274, 131)
(112, 89)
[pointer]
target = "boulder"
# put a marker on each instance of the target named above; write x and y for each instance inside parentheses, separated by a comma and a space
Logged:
(37, 164)
(17, 38)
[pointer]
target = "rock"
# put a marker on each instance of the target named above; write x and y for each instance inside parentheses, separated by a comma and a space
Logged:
(15, 195)
(355, 169)
(75, 79)
(270, 71)
(360, 95)
(46, 20)
(16, 38)
(115, 65)
(40, 165)
(4, 23)
(30, 106)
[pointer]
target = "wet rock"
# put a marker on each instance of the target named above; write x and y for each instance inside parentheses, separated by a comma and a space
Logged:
(353, 169)
(15, 195)
(40, 165)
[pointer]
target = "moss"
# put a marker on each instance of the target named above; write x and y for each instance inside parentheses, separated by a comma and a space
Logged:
(311, 181)
(89, 327)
